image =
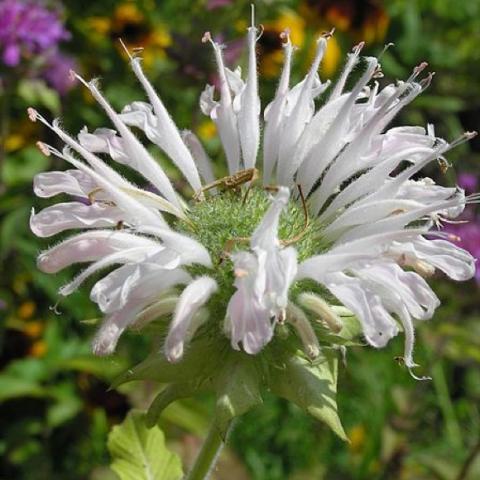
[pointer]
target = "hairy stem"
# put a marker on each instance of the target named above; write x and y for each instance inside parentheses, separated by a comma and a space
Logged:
(208, 455)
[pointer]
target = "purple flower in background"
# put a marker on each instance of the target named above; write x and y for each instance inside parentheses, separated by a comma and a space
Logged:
(468, 238)
(468, 181)
(213, 4)
(27, 28)
(56, 72)
(468, 234)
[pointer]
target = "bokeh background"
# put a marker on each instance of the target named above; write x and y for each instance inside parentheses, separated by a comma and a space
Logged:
(55, 406)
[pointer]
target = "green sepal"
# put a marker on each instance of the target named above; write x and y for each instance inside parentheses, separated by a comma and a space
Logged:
(237, 388)
(201, 358)
(170, 394)
(140, 453)
(311, 386)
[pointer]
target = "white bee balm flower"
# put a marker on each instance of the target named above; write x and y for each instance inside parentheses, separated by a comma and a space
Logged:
(348, 214)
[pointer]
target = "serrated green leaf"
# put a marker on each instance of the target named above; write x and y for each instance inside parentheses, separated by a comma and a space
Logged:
(170, 394)
(238, 390)
(199, 360)
(139, 453)
(313, 387)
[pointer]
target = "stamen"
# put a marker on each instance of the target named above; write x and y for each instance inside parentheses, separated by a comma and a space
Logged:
(329, 34)
(207, 37)
(125, 48)
(425, 82)
(33, 115)
(43, 147)
(358, 48)
(297, 318)
(385, 48)
(317, 305)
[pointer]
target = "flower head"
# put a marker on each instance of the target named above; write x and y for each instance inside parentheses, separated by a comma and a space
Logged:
(339, 223)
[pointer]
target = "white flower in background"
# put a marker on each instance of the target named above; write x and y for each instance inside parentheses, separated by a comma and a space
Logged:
(366, 238)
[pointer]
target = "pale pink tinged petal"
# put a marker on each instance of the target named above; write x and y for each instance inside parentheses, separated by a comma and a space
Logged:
(135, 211)
(248, 116)
(139, 157)
(300, 115)
(265, 235)
(454, 261)
(130, 255)
(274, 116)
(96, 163)
(202, 160)
(363, 213)
(222, 112)
(334, 138)
(378, 325)
(64, 216)
(369, 181)
(112, 327)
(189, 249)
(89, 247)
(396, 222)
(49, 184)
(135, 282)
(250, 323)
(170, 140)
(194, 296)
(104, 140)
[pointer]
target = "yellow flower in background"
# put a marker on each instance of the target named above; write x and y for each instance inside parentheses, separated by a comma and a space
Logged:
(207, 130)
(38, 349)
(26, 310)
(332, 58)
(290, 20)
(131, 25)
(357, 436)
(13, 142)
(364, 20)
(270, 42)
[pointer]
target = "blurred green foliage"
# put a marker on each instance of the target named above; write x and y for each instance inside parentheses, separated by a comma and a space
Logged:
(55, 406)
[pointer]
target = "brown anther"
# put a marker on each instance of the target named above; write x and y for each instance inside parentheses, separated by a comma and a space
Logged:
(329, 34)
(207, 37)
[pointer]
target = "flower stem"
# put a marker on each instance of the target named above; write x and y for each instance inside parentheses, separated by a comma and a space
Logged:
(209, 453)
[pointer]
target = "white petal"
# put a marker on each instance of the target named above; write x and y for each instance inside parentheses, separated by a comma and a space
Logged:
(89, 247)
(64, 216)
(189, 249)
(248, 116)
(194, 296)
(202, 160)
(49, 184)
(139, 157)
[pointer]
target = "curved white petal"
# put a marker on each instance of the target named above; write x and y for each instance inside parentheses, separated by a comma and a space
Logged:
(194, 296)
(90, 247)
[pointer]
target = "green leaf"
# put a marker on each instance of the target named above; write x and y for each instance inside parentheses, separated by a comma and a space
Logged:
(170, 394)
(36, 92)
(313, 387)
(201, 358)
(15, 387)
(238, 390)
(21, 167)
(139, 453)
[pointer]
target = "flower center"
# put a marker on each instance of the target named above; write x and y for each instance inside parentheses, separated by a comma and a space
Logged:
(224, 221)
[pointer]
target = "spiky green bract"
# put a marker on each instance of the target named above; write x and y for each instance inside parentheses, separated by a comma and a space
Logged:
(238, 379)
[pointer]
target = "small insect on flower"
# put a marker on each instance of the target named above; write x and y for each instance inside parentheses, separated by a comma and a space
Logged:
(357, 238)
